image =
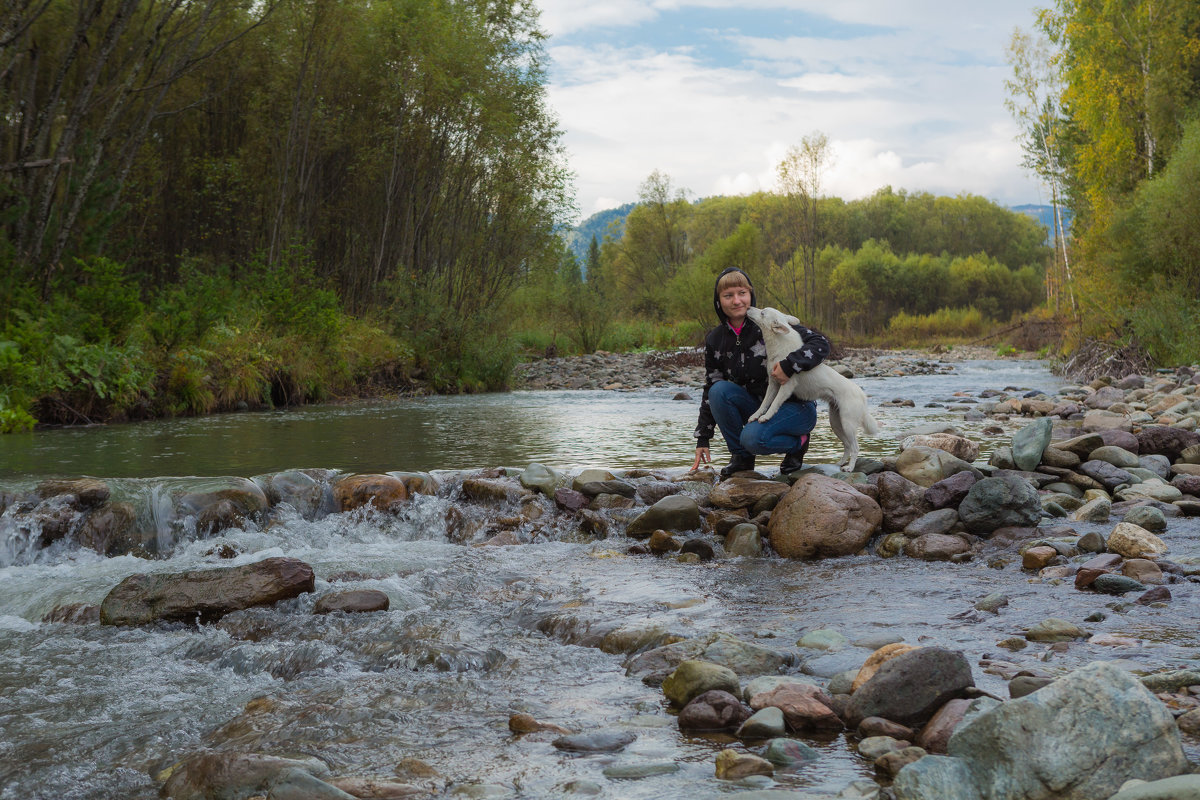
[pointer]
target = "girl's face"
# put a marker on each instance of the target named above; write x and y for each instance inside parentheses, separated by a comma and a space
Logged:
(734, 302)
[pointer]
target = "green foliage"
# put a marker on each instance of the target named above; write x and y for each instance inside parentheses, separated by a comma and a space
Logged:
(652, 248)
(183, 312)
(14, 383)
(293, 298)
(943, 325)
(689, 294)
(875, 281)
(1162, 318)
(1159, 234)
(102, 303)
(452, 352)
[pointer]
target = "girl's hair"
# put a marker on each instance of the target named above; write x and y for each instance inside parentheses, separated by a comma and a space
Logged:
(734, 278)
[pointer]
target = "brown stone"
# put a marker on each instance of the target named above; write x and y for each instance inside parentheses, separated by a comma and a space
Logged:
(525, 723)
(732, 765)
(380, 491)
(1159, 594)
(891, 763)
(88, 492)
(822, 516)
(1038, 557)
(805, 707)
(878, 726)
(936, 547)
(662, 542)
(900, 500)
(1142, 570)
(353, 601)
(744, 492)
(205, 595)
(874, 662)
(936, 733)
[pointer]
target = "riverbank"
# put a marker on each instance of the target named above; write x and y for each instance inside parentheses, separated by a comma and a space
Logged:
(685, 367)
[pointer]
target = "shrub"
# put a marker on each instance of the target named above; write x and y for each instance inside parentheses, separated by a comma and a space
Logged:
(944, 324)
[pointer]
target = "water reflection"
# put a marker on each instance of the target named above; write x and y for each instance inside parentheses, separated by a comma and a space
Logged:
(565, 429)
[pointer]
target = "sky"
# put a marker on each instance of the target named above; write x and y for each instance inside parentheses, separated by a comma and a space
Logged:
(910, 93)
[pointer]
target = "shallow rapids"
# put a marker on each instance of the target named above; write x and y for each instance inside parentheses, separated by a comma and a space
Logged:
(476, 634)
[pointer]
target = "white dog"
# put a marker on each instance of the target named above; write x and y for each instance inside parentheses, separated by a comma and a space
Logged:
(847, 402)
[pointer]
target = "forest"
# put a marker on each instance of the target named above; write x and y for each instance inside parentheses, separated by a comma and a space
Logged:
(220, 205)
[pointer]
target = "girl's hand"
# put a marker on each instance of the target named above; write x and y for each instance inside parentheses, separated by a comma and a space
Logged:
(702, 457)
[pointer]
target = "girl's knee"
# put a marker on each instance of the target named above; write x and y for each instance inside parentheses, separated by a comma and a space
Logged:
(719, 390)
(752, 440)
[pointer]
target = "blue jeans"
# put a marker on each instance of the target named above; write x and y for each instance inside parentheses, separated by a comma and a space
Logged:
(732, 405)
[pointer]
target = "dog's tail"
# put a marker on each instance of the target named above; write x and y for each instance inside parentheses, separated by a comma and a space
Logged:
(870, 425)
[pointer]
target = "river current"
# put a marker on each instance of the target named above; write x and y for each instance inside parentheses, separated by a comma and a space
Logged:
(473, 634)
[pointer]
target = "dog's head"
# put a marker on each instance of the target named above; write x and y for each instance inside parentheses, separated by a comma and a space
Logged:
(772, 319)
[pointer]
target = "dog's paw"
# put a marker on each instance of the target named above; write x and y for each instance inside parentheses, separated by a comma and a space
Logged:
(765, 417)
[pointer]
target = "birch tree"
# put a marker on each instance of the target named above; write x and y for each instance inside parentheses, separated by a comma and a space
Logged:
(1035, 102)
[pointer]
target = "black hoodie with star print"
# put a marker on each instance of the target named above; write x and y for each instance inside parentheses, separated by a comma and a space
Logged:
(742, 358)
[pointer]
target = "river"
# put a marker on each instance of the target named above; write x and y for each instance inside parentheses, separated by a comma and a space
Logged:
(474, 634)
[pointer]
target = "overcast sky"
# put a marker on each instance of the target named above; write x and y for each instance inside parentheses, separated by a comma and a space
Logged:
(712, 93)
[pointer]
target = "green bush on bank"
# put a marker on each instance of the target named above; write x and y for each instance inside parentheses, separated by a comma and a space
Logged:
(206, 342)
(946, 325)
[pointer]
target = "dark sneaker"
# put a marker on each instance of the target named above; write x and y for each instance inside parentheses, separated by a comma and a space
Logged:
(794, 460)
(737, 464)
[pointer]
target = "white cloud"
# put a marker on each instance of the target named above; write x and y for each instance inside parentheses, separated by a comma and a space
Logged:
(918, 107)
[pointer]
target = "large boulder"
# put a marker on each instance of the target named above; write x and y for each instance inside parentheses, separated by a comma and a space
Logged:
(909, 688)
(380, 491)
(299, 489)
(1029, 443)
(1106, 474)
(901, 501)
(675, 513)
(1005, 501)
(744, 658)
(957, 446)
(204, 595)
(928, 465)
(1164, 441)
(949, 492)
(694, 678)
(85, 492)
(239, 501)
(1078, 738)
(822, 516)
(237, 775)
(112, 530)
(744, 492)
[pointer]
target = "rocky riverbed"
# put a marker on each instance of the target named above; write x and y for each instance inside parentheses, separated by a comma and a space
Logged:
(685, 367)
(942, 625)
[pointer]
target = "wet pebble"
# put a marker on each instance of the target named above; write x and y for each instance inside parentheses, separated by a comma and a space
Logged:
(595, 741)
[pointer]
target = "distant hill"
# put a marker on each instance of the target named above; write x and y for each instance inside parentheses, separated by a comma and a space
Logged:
(580, 237)
(1045, 215)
